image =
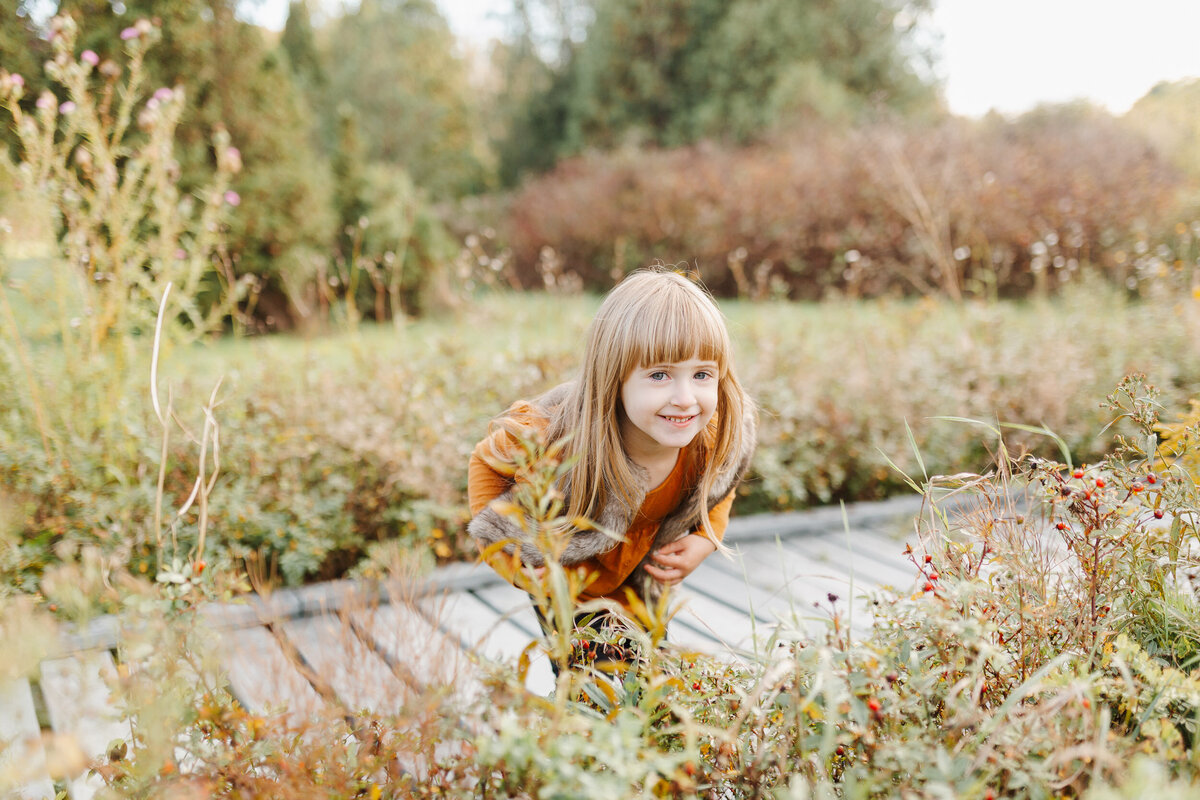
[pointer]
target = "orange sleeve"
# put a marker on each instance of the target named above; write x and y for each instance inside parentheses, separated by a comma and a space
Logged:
(484, 483)
(718, 517)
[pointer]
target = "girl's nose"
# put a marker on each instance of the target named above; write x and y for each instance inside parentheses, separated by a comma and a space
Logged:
(683, 396)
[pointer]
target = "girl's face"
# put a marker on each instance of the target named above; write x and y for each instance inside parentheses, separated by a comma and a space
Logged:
(666, 405)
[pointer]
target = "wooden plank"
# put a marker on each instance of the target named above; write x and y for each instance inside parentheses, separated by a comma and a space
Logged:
(79, 706)
(355, 672)
(723, 581)
(264, 679)
(22, 757)
(809, 584)
(769, 602)
(422, 654)
(871, 567)
(722, 625)
(513, 605)
(482, 630)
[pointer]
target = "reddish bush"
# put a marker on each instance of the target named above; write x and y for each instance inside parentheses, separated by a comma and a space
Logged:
(965, 207)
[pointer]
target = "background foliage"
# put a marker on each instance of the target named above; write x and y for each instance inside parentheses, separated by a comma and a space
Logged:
(176, 177)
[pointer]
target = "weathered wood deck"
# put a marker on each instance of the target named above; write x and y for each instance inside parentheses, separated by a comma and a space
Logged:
(358, 646)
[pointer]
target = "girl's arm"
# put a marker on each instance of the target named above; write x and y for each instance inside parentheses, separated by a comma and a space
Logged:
(484, 484)
(673, 562)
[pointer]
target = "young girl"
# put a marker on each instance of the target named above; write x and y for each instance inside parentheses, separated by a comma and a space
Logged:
(660, 433)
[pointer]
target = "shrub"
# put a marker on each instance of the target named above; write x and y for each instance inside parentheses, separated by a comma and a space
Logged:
(966, 208)
(1027, 661)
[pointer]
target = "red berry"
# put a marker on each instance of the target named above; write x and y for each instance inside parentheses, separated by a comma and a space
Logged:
(874, 704)
(696, 686)
(1078, 473)
(933, 576)
(585, 645)
(928, 559)
(200, 565)
(1158, 513)
(928, 587)
(1062, 526)
(1099, 483)
(989, 795)
(841, 751)
(690, 769)
(1137, 487)
(1151, 478)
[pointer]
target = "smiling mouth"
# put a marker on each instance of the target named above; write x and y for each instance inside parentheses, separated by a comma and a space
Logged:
(679, 420)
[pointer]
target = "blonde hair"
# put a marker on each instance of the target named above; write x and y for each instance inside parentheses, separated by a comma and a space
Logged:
(653, 316)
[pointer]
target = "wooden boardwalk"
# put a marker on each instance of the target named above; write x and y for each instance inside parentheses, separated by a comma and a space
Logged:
(355, 646)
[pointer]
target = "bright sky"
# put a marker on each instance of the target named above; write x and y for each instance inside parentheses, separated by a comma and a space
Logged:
(1004, 54)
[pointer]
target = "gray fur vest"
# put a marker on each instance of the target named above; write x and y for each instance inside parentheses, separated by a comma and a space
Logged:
(489, 526)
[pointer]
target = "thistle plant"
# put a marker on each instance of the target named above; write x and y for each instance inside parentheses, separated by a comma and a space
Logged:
(102, 162)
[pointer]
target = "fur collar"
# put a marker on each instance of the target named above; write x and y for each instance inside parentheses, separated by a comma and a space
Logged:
(489, 526)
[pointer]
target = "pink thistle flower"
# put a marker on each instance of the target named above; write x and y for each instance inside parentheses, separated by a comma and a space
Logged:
(67, 107)
(164, 95)
(17, 80)
(130, 33)
(233, 198)
(89, 57)
(45, 100)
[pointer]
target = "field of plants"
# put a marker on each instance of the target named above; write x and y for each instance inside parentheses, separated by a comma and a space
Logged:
(1021, 348)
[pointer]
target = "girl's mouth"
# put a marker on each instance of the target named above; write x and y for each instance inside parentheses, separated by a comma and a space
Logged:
(680, 421)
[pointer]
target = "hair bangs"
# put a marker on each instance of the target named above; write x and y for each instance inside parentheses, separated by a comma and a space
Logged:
(675, 325)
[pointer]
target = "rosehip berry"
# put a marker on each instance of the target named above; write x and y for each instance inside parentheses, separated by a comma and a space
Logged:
(989, 795)
(1099, 483)
(929, 587)
(928, 559)
(1151, 478)
(933, 576)
(1078, 473)
(200, 565)
(1135, 488)
(874, 704)
(1158, 513)
(1062, 526)
(841, 751)
(690, 769)
(696, 686)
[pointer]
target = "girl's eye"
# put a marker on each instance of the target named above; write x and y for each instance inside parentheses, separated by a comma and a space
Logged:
(703, 375)
(658, 376)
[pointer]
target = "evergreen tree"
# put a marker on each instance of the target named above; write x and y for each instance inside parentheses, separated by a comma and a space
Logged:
(676, 71)
(349, 179)
(394, 63)
(300, 43)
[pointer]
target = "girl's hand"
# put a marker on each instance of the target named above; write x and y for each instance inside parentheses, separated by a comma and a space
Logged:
(673, 562)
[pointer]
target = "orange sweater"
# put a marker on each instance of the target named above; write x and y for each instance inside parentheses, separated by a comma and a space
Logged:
(484, 484)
